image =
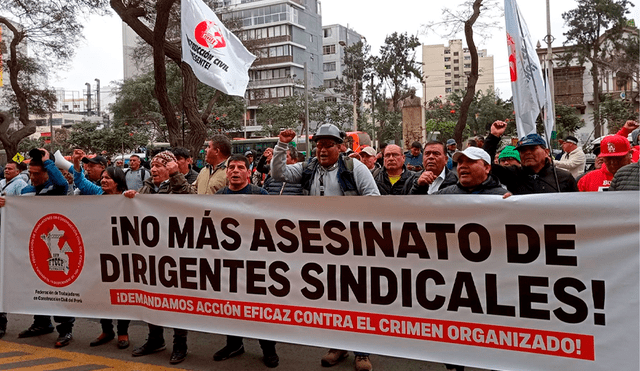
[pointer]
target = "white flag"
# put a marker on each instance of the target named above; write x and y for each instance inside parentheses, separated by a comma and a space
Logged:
(216, 55)
(549, 109)
(526, 75)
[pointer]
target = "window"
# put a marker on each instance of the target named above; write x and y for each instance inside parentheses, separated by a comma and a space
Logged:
(467, 65)
(447, 82)
(447, 67)
(447, 51)
(447, 90)
(329, 49)
(330, 99)
(327, 67)
(457, 83)
(455, 54)
(456, 61)
(326, 32)
(447, 59)
(447, 74)
(456, 68)
(467, 57)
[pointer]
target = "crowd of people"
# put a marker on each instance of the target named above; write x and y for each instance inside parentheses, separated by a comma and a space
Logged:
(435, 168)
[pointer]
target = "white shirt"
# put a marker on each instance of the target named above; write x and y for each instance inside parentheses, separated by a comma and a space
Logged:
(435, 185)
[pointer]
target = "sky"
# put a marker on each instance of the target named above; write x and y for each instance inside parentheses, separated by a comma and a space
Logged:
(100, 55)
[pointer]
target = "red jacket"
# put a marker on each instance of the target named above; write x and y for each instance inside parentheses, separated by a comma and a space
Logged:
(595, 181)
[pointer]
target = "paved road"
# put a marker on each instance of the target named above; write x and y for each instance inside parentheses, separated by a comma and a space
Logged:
(38, 353)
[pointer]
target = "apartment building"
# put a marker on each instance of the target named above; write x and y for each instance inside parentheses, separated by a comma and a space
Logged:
(446, 69)
(335, 38)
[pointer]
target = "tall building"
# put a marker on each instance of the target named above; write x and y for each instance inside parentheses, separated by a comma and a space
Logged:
(284, 35)
(446, 68)
(334, 41)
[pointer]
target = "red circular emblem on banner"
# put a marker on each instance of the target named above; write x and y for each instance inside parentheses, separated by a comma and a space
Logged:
(209, 35)
(56, 250)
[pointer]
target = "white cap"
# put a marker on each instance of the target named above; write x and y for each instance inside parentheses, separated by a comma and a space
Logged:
(369, 151)
(474, 153)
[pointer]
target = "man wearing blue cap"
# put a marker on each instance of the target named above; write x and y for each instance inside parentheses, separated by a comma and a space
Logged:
(536, 174)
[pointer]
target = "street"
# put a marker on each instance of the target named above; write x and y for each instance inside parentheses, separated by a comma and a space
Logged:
(38, 353)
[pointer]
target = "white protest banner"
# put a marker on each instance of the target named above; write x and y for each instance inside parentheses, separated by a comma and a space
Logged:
(533, 282)
(216, 55)
(527, 84)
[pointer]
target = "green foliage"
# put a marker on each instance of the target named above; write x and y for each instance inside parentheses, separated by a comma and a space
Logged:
(486, 108)
(137, 106)
(290, 113)
(397, 64)
(116, 138)
(616, 112)
(567, 120)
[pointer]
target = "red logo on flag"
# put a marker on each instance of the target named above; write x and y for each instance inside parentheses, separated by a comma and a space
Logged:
(512, 58)
(209, 35)
(56, 250)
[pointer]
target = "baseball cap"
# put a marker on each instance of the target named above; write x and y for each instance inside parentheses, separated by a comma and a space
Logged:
(474, 153)
(451, 142)
(571, 139)
(248, 153)
(95, 160)
(531, 140)
(369, 151)
(509, 152)
(614, 145)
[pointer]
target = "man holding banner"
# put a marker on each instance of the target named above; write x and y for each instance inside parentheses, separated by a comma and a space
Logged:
(537, 174)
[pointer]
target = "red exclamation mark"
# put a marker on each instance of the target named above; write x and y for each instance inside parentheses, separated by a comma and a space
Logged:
(597, 290)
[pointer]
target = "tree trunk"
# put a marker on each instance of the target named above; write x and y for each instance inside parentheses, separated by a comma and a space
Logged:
(10, 142)
(160, 72)
(197, 124)
(473, 77)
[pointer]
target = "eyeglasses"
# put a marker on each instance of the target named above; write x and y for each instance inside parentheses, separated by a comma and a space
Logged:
(325, 145)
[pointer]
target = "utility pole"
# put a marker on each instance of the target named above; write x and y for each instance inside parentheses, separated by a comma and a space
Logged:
(98, 96)
(549, 40)
(88, 98)
(306, 113)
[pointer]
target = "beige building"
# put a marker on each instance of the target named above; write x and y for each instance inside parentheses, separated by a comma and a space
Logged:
(445, 69)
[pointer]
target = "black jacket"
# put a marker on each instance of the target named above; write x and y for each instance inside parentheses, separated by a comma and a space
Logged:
(450, 178)
(522, 180)
(398, 188)
(491, 186)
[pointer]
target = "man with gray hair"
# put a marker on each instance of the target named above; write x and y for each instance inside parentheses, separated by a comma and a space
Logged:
(474, 174)
(573, 159)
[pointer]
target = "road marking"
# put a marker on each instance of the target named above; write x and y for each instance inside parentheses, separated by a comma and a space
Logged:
(15, 356)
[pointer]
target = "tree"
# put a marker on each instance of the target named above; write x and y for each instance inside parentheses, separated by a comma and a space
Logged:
(290, 113)
(136, 105)
(52, 30)
(465, 19)
(395, 66)
(357, 62)
(586, 24)
(157, 23)
(616, 112)
(485, 108)
(117, 138)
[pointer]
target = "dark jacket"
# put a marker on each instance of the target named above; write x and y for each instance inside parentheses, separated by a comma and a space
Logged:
(282, 188)
(491, 186)
(398, 188)
(177, 184)
(450, 178)
(522, 180)
(626, 178)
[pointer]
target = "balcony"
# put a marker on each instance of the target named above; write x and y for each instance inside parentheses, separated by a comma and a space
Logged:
(270, 82)
(273, 60)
